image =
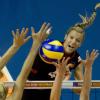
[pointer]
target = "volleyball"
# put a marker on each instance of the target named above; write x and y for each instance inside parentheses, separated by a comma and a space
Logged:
(51, 51)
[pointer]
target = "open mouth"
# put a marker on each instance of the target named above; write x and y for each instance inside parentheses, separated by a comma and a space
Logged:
(70, 46)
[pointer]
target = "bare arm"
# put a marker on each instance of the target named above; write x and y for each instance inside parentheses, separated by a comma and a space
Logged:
(88, 74)
(18, 41)
(78, 74)
(56, 89)
(60, 73)
(38, 38)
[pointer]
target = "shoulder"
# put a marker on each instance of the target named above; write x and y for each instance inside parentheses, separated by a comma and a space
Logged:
(77, 55)
(75, 60)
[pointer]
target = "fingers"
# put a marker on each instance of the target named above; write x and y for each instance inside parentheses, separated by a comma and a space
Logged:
(55, 64)
(41, 36)
(63, 59)
(46, 27)
(27, 39)
(43, 27)
(32, 30)
(97, 54)
(93, 55)
(20, 37)
(25, 32)
(13, 33)
(17, 32)
(23, 29)
(61, 63)
(34, 35)
(49, 31)
(87, 54)
(66, 61)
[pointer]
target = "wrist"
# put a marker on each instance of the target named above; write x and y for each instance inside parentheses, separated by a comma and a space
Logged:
(37, 43)
(15, 46)
(60, 74)
(88, 67)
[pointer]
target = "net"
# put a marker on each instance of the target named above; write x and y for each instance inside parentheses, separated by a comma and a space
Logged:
(67, 87)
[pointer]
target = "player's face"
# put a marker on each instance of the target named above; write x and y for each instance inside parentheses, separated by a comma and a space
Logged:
(2, 92)
(73, 41)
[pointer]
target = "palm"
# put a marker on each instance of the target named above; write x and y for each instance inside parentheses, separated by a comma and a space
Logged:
(61, 65)
(42, 34)
(90, 58)
(20, 38)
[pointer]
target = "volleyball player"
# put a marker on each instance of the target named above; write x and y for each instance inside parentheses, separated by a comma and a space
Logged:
(43, 71)
(18, 41)
(61, 69)
(26, 68)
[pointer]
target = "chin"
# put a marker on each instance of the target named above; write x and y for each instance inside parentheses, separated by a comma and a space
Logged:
(68, 51)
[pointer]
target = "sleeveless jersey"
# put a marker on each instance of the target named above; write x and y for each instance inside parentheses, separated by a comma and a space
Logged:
(40, 71)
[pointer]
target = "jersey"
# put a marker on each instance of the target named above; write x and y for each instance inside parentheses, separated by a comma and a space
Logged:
(74, 60)
(40, 71)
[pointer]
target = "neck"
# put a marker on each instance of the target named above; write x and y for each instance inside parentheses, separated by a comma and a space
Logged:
(69, 54)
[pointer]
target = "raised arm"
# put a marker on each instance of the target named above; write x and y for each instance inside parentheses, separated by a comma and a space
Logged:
(60, 73)
(78, 74)
(26, 68)
(18, 41)
(90, 58)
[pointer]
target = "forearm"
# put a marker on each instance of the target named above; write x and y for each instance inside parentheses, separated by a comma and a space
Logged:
(88, 74)
(78, 74)
(86, 84)
(87, 79)
(56, 89)
(27, 66)
(7, 56)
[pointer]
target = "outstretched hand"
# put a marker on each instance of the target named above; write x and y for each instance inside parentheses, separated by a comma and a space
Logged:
(43, 33)
(61, 66)
(20, 37)
(90, 58)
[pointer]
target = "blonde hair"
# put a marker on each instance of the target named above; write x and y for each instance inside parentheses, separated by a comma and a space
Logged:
(86, 21)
